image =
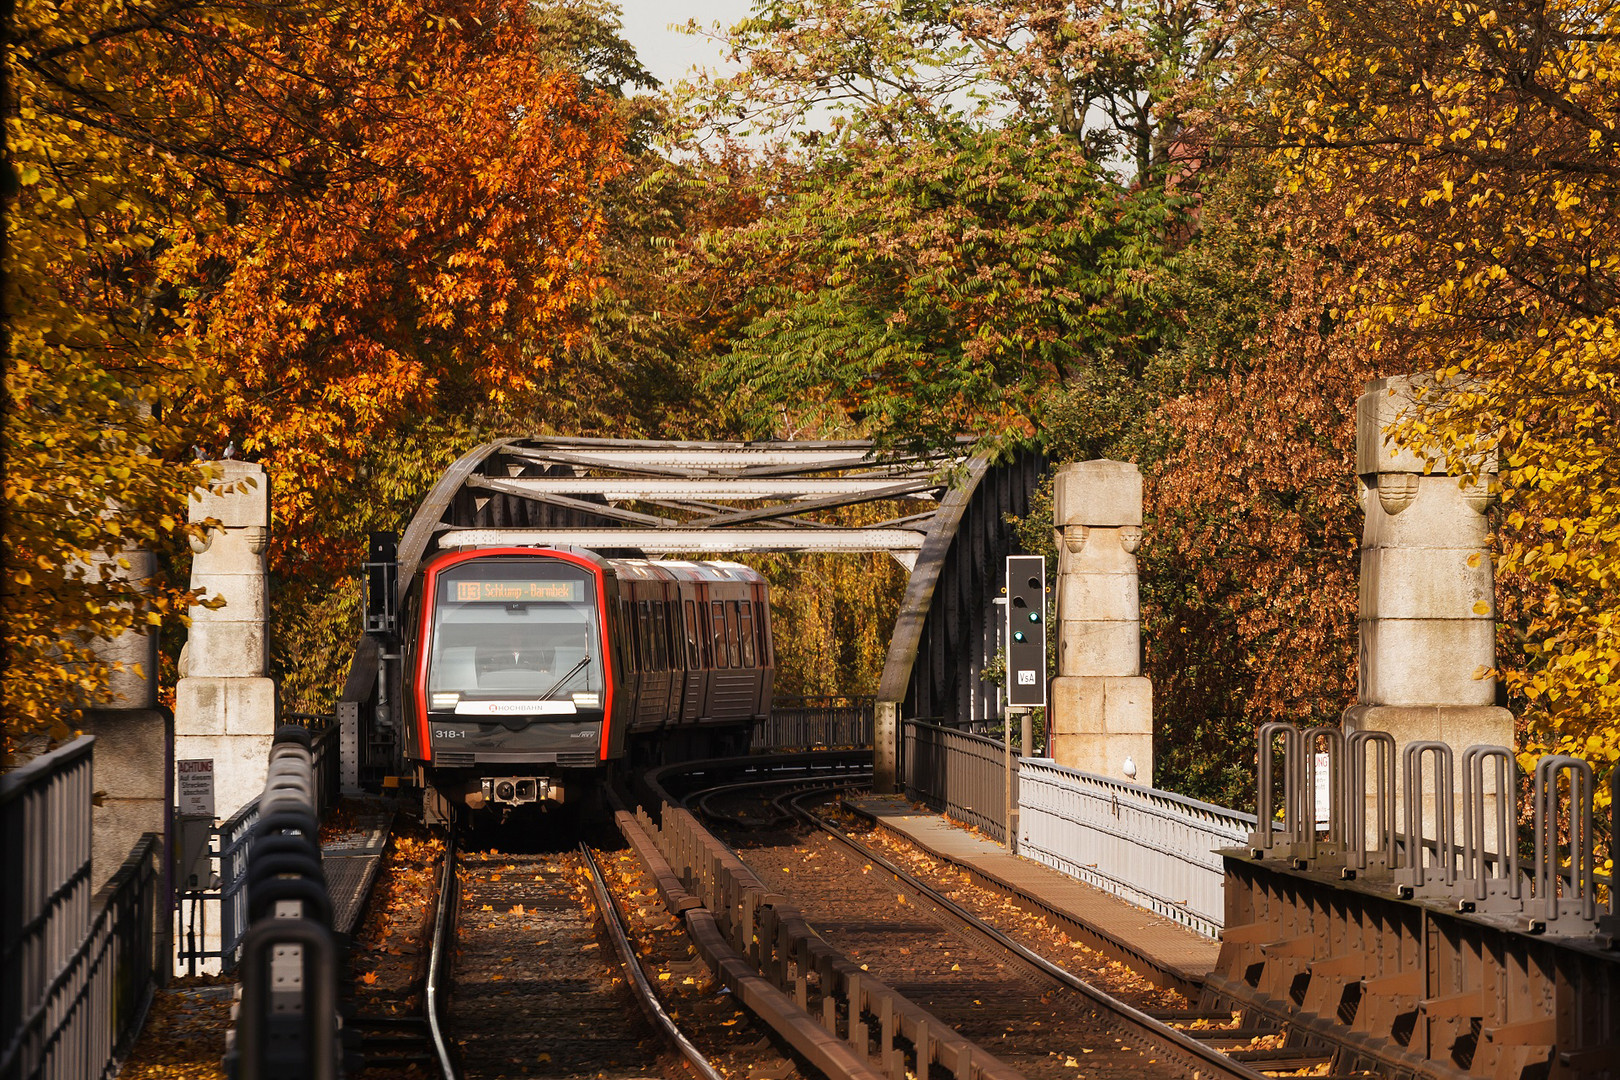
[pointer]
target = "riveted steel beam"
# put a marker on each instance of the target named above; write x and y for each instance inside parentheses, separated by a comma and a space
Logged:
(681, 540)
(714, 487)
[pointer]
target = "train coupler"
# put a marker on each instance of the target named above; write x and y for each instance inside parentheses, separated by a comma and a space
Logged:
(518, 790)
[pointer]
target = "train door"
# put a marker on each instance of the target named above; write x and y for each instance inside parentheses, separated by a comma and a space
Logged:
(764, 650)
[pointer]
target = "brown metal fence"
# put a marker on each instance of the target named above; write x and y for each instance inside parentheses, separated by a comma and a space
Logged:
(77, 971)
(323, 743)
(813, 722)
(962, 774)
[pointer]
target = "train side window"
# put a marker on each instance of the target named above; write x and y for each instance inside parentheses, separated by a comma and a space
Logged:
(631, 651)
(732, 649)
(672, 631)
(643, 636)
(746, 633)
(705, 639)
(764, 646)
(660, 633)
(693, 659)
(650, 626)
(718, 607)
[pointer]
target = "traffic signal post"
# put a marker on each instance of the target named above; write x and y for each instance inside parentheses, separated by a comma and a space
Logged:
(1026, 666)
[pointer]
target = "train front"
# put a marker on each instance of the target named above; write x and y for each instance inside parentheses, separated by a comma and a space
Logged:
(509, 680)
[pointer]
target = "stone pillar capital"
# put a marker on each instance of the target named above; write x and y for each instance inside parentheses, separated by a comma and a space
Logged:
(1098, 493)
(1390, 402)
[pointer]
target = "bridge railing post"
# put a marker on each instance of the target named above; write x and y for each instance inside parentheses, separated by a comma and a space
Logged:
(1412, 879)
(1489, 888)
(1371, 848)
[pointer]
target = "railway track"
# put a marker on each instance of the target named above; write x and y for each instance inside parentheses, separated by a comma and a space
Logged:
(1038, 1017)
(545, 989)
(549, 964)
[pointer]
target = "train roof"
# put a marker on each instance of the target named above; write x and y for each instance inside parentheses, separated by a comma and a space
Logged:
(685, 570)
(717, 571)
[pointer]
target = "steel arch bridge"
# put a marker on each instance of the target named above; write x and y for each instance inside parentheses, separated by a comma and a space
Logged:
(633, 498)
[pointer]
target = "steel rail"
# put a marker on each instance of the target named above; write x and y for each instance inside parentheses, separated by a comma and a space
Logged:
(632, 967)
(699, 800)
(815, 764)
(441, 928)
(1146, 1025)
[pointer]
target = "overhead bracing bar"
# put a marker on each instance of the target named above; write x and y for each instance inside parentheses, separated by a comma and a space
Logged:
(620, 488)
(677, 541)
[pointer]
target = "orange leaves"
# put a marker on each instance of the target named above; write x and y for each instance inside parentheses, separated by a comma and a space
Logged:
(429, 241)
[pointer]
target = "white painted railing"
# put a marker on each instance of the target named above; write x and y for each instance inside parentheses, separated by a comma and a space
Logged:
(1152, 848)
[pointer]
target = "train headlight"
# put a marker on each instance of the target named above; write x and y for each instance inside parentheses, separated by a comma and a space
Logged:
(443, 701)
(587, 699)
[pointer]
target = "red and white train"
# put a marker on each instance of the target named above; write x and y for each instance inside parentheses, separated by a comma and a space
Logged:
(525, 673)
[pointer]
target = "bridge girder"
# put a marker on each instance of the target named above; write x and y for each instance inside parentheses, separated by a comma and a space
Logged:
(668, 498)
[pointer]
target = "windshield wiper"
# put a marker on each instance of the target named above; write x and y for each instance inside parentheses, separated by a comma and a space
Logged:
(560, 683)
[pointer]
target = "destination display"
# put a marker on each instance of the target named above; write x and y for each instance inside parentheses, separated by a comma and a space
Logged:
(515, 592)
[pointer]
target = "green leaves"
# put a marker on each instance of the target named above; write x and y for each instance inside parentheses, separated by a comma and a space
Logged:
(941, 288)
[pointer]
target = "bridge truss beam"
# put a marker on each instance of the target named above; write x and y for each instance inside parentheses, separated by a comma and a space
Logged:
(627, 498)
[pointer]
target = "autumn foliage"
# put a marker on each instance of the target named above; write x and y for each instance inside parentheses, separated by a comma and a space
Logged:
(354, 236)
(439, 255)
(291, 227)
(1475, 149)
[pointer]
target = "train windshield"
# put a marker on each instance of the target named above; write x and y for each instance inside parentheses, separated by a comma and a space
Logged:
(520, 628)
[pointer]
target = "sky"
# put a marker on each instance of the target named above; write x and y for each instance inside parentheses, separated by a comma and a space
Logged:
(670, 55)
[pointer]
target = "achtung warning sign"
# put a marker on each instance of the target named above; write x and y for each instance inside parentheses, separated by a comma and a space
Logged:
(194, 783)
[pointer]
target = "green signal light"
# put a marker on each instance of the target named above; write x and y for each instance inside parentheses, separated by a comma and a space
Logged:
(1018, 635)
(1034, 616)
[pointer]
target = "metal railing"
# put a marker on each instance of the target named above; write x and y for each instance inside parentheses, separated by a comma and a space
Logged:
(1150, 847)
(286, 1020)
(1460, 843)
(323, 744)
(78, 971)
(962, 774)
(223, 901)
(815, 722)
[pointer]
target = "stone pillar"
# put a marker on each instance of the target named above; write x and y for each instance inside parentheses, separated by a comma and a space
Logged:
(1102, 707)
(1428, 607)
(135, 650)
(225, 707)
(132, 761)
